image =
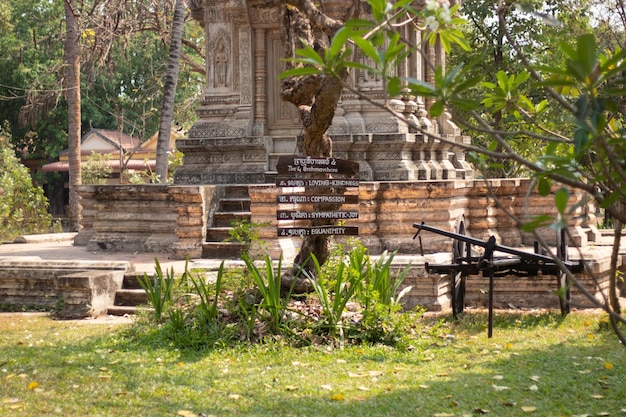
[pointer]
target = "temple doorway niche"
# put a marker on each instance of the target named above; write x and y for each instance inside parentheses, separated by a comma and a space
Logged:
(283, 123)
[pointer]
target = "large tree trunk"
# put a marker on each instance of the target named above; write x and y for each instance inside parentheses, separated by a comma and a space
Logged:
(72, 88)
(316, 119)
(316, 98)
(169, 94)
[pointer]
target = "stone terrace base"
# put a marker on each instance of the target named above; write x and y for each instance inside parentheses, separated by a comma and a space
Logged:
(74, 289)
(174, 218)
(145, 218)
(388, 210)
(78, 289)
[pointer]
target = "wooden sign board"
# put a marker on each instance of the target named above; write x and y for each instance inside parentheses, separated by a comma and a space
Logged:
(294, 164)
(311, 182)
(317, 231)
(317, 198)
(305, 215)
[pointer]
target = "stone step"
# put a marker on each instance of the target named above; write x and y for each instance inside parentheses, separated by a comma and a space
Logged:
(223, 250)
(217, 234)
(236, 191)
(131, 280)
(233, 207)
(234, 204)
(270, 177)
(130, 297)
(125, 310)
(226, 218)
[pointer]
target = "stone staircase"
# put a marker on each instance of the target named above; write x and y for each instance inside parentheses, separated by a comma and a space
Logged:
(233, 207)
(129, 297)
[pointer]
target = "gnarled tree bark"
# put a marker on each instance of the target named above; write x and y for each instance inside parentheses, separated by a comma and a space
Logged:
(316, 98)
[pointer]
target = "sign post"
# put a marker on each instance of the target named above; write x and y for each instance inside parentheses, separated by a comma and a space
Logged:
(293, 167)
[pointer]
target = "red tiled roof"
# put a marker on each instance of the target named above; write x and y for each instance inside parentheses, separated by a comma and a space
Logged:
(118, 138)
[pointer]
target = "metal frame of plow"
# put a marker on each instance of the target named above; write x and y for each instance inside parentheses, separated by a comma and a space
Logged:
(518, 263)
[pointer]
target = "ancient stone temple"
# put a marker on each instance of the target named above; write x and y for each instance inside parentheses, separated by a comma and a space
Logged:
(244, 126)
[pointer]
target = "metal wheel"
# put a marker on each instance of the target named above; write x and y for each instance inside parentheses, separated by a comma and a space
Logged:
(460, 251)
(563, 282)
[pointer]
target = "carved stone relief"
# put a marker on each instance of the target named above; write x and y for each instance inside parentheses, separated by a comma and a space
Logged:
(245, 66)
(219, 59)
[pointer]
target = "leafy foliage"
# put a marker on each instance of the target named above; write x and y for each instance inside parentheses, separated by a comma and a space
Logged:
(334, 299)
(540, 95)
(249, 304)
(159, 289)
(272, 307)
(23, 205)
(124, 66)
(96, 170)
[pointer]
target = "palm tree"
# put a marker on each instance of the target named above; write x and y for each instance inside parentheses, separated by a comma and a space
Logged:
(72, 93)
(169, 94)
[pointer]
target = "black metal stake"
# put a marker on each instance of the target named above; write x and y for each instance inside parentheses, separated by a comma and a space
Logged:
(491, 279)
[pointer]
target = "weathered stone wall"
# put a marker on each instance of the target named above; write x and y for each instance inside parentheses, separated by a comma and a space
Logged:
(388, 210)
(74, 289)
(145, 218)
(173, 218)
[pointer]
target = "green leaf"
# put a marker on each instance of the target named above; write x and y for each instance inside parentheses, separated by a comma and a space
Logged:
(299, 72)
(611, 199)
(394, 86)
(581, 137)
(587, 54)
(464, 104)
(420, 88)
(614, 92)
(445, 41)
(538, 221)
(503, 80)
(437, 108)
(379, 9)
(358, 65)
(560, 199)
(544, 187)
(568, 50)
(339, 41)
(368, 49)
(310, 55)
(359, 23)
(394, 49)
(467, 84)
(401, 4)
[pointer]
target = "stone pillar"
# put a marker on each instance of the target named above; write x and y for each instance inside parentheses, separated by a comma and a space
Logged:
(260, 74)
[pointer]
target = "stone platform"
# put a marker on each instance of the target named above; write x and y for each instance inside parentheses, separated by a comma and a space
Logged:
(431, 291)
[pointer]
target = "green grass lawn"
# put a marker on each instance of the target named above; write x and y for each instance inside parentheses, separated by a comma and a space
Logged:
(539, 365)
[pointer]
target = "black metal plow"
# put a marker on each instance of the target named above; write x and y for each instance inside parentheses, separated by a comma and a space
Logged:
(516, 262)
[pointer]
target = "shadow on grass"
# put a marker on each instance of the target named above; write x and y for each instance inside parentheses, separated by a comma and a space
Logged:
(117, 375)
(558, 380)
(477, 322)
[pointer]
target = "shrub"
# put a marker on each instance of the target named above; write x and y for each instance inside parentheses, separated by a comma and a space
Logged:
(23, 206)
(96, 170)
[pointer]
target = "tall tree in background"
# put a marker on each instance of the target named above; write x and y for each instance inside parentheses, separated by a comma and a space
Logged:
(490, 23)
(124, 47)
(72, 96)
(169, 93)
